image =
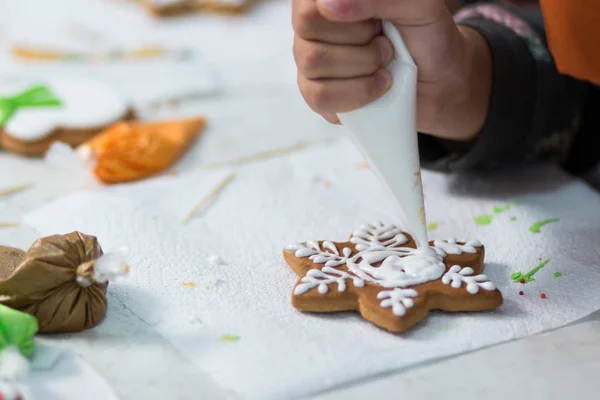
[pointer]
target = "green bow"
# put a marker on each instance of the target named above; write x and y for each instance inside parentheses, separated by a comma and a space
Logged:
(17, 329)
(37, 96)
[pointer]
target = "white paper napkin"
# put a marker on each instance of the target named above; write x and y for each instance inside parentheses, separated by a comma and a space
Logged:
(237, 322)
(59, 374)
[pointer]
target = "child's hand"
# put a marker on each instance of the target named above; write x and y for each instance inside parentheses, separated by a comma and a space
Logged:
(341, 58)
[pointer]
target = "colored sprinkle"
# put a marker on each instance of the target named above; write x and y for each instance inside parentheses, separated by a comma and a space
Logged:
(557, 274)
(484, 219)
(229, 338)
(432, 226)
(518, 277)
(154, 217)
(501, 209)
(521, 293)
(362, 165)
(535, 228)
(513, 218)
(189, 284)
(543, 295)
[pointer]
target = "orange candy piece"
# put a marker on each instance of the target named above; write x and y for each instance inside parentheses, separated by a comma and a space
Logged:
(129, 151)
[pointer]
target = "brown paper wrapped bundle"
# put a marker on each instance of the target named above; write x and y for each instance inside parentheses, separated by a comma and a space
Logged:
(61, 280)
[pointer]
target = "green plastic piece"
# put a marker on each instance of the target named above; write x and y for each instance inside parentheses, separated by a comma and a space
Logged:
(557, 274)
(528, 277)
(484, 219)
(17, 329)
(501, 209)
(535, 228)
(229, 338)
(432, 226)
(36, 96)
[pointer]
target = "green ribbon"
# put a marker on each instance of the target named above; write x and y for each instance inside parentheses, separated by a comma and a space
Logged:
(17, 329)
(36, 96)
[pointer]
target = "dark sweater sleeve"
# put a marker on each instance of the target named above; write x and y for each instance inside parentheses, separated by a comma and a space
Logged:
(534, 112)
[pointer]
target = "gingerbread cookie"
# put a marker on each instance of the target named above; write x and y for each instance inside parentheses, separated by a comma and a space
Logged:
(380, 273)
(168, 8)
(66, 110)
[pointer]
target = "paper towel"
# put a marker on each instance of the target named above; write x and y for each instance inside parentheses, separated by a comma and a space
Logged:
(59, 374)
(276, 352)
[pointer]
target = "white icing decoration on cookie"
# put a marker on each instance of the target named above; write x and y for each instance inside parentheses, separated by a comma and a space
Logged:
(85, 104)
(321, 278)
(398, 299)
(450, 246)
(457, 275)
(400, 267)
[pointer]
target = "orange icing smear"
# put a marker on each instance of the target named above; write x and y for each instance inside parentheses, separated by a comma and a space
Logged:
(129, 151)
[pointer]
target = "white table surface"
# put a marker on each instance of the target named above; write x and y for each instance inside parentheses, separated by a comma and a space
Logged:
(249, 118)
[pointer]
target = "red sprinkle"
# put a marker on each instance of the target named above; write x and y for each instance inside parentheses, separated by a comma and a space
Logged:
(522, 280)
(543, 295)
(521, 293)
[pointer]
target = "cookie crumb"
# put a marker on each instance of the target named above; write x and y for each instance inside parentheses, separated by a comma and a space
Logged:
(326, 184)
(229, 338)
(484, 219)
(432, 226)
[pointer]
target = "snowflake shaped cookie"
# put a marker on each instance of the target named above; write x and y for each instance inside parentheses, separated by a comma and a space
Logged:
(380, 273)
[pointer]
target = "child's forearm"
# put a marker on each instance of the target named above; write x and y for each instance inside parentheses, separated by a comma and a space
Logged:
(533, 110)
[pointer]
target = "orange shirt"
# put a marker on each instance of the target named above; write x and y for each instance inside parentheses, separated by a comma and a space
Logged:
(573, 29)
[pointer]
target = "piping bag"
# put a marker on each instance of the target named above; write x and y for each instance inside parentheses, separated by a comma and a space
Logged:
(385, 131)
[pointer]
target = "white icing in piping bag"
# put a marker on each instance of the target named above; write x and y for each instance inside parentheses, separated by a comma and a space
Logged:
(386, 133)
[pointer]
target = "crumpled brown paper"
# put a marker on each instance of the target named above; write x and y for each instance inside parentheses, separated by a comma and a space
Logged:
(44, 284)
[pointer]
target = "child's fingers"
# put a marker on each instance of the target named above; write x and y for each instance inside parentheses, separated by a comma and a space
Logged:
(309, 24)
(332, 96)
(317, 60)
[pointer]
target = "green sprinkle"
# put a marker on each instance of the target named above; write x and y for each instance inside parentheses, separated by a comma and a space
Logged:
(528, 277)
(513, 218)
(229, 338)
(432, 226)
(535, 228)
(516, 277)
(484, 219)
(557, 274)
(501, 209)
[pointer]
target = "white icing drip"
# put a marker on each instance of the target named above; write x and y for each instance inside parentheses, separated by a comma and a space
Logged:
(457, 276)
(85, 104)
(451, 246)
(399, 299)
(378, 243)
(13, 365)
(108, 267)
(9, 391)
